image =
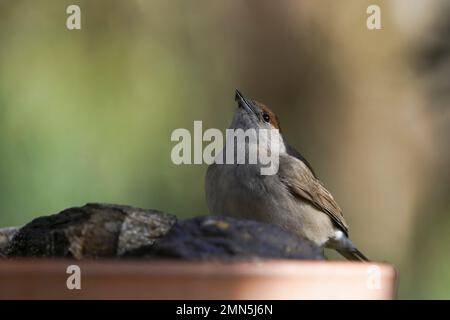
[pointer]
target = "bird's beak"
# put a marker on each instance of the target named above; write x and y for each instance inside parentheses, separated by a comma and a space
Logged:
(244, 103)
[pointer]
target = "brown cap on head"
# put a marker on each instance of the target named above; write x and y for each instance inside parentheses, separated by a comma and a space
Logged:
(273, 117)
(250, 105)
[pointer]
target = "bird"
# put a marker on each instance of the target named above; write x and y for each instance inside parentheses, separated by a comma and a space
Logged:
(293, 198)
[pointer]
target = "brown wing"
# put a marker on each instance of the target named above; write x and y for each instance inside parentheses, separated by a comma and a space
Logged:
(302, 183)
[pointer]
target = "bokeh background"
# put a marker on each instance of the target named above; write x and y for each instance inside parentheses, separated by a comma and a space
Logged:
(86, 115)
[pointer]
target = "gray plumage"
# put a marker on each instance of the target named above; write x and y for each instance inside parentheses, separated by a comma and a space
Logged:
(293, 198)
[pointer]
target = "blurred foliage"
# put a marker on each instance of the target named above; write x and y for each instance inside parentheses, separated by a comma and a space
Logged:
(86, 115)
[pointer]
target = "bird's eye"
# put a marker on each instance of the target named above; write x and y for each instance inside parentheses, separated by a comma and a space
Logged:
(266, 117)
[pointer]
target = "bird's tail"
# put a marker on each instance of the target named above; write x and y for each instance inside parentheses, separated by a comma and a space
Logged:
(353, 254)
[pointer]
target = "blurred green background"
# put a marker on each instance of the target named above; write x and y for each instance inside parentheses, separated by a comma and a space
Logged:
(86, 115)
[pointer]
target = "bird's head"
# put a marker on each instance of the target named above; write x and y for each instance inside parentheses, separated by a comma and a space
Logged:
(251, 114)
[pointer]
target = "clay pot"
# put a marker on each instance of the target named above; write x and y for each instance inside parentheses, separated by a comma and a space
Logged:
(170, 279)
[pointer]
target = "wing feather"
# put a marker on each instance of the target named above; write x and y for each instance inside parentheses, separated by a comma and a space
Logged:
(302, 183)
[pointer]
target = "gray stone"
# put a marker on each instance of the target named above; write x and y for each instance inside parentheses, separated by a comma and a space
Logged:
(91, 231)
(115, 231)
(226, 238)
(143, 227)
(6, 235)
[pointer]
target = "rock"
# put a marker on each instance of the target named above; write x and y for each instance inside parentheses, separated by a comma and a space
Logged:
(105, 230)
(210, 237)
(140, 228)
(91, 231)
(6, 235)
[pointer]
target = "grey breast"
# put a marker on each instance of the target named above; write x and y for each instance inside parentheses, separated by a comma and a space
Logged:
(241, 191)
